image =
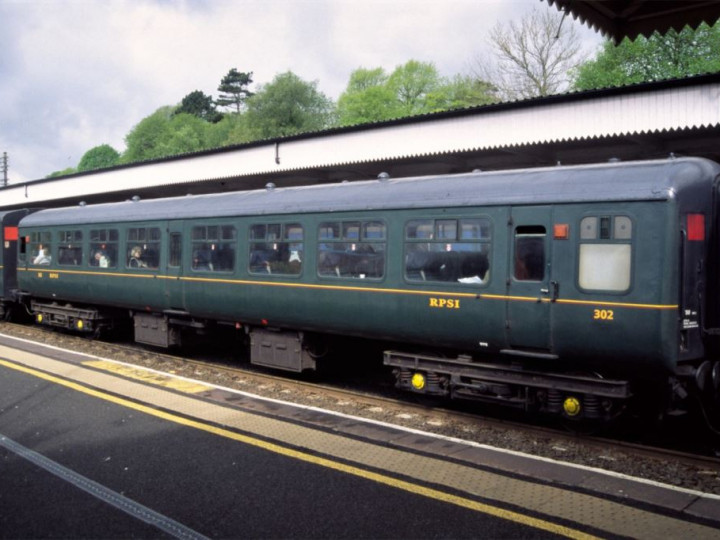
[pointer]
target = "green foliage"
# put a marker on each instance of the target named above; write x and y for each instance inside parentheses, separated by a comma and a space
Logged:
(461, 92)
(674, 55)
(233, 129)
(64, 172)
(368, 98)
(145, 140)
(186, 133)
(234, 89)
(200, 105)
(100, 157)
(413, 88)
(166, 133)
(412, 83)
(287, 106)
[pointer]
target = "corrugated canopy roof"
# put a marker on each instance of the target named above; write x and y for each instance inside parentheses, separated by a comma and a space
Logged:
(631, 18)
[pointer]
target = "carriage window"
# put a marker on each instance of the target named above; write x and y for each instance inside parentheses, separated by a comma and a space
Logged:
(276, 248)
(530, 253)
(419, 229)
(70, 248)
(143, 245)
(622, 229)
(213, 248)
(40, 247)
(588, 228)
(449, 250)
(104, 248)
(352, 249)
(605, 254)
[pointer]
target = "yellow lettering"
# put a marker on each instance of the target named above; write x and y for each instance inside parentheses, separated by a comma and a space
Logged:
(446, 303)
(39, 274)
(603, 315)
(54, 276)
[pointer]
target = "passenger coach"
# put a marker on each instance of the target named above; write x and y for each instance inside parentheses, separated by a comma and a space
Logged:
(565, 289)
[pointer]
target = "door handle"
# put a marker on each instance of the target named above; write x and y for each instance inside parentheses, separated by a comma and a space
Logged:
(555, 287)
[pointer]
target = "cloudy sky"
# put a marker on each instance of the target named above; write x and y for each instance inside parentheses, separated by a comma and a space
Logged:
(78, 73)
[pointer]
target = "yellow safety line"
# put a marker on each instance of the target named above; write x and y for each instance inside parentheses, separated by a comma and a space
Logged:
(364, 289)
(159, 379)
(316, 460)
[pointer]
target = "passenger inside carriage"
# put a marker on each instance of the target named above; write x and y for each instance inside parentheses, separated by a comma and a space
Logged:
(101, 260)
(135, 259)
(43, 256)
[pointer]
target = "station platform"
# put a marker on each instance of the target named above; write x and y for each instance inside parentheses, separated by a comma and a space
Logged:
(95, 448)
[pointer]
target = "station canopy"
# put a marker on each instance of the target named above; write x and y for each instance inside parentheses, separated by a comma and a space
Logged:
(618, 19)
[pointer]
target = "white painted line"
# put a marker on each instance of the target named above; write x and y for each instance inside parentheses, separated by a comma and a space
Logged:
(103, 493)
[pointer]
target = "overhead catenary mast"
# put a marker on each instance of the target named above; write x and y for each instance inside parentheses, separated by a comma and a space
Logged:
(4, 167)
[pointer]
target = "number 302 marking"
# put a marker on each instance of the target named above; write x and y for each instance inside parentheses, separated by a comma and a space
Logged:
(604, 315)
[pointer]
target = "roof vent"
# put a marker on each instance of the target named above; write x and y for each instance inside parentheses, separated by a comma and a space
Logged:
(614, 160)
(270, 186)
(136, 198)
(477, 171)
(383, 177)
(672, 155)
(82, 203)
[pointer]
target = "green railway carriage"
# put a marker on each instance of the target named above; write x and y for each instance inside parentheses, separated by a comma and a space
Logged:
(563, 288)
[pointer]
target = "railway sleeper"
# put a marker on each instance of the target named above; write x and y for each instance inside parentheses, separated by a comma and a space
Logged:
(69, 317)
(571, 396)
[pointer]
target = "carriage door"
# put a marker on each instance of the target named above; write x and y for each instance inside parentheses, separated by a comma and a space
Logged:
(530, 288)
(174, 289)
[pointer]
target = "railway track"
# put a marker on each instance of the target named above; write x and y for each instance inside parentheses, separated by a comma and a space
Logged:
(663, 464)
(450, 415)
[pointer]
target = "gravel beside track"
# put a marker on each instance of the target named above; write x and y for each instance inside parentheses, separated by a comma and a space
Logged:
(678, 471)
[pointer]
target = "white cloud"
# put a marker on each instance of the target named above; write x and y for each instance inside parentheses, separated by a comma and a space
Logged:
(77, 74)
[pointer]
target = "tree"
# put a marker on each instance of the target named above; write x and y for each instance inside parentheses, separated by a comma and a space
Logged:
(367, 98)
(186, 133)
(233, 89)
(461, 92)
(100, 157)
(145, 140)
(286, 106)
(673, 55)
(412, 88)
(232, 129)
(200, 105)
(532, 57)
(64, 172)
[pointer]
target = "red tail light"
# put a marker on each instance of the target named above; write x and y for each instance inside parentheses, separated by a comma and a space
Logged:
(696, 227)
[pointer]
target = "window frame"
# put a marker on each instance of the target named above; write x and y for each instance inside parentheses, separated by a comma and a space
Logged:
(40, 239)
(215, 245)
(362, 254)
(610, 238)
(285, 257)
(427, 242)
(106, 241)
(145, 244)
